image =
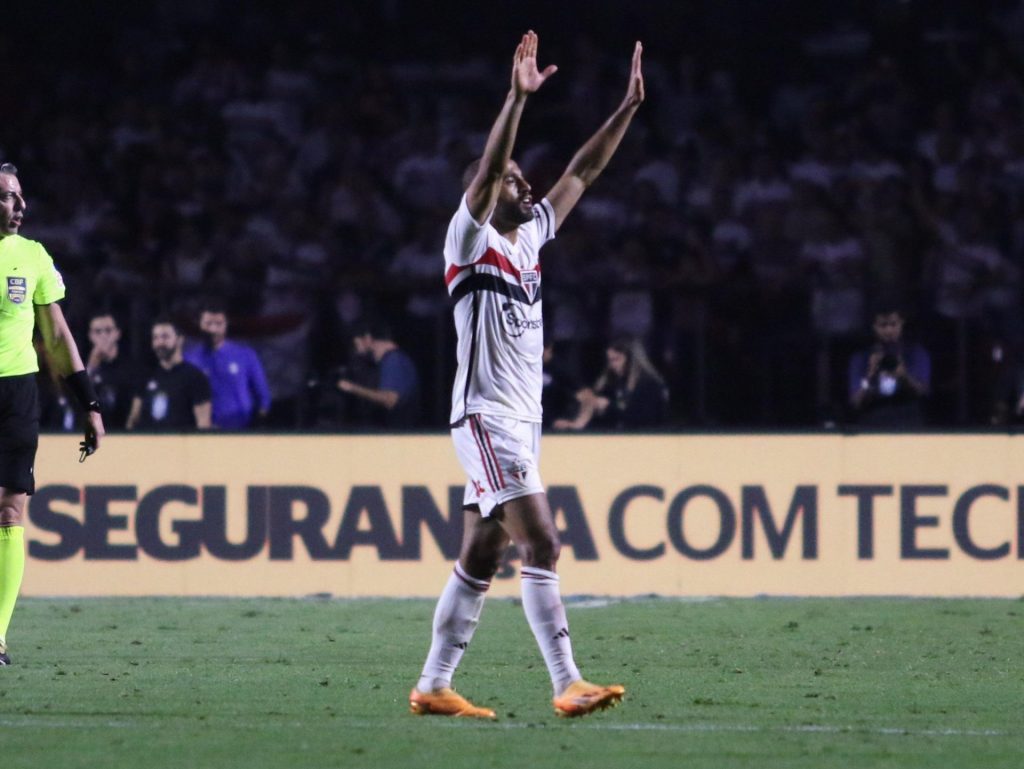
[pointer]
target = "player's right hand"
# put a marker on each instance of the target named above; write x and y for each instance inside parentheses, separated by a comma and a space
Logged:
(526, 78)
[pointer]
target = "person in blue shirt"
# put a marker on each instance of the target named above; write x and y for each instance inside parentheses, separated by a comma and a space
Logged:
(398, 382)
(239, 386)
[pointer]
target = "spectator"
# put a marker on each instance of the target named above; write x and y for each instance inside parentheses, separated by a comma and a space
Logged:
(237, 382)
(629, 395)
(1007, 403)
(766, 184)
(889, 382)
(835, 260)
(398, 384)
(176, 395)
(115, 377)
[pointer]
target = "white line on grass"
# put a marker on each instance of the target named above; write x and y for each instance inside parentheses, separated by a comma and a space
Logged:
(751, 728)
(36, 720)
(809, 728)
(54, 722)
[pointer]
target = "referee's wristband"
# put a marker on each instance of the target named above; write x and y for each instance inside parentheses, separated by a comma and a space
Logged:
(81, 387)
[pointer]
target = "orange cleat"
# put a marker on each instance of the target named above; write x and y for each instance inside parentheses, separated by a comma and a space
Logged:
(583, 697)
(446, 702)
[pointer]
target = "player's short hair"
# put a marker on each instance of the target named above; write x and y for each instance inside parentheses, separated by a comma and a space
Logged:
(8, 168)
(470, 172)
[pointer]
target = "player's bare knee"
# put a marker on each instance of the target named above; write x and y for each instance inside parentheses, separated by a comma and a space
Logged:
(541, 553)
(11, 515)
(481, 562)
(481, 556)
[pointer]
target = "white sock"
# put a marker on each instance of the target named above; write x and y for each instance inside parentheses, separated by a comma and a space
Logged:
(542, 602)
(455, 619)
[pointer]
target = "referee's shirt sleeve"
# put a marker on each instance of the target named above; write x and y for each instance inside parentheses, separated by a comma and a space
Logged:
(49, 283)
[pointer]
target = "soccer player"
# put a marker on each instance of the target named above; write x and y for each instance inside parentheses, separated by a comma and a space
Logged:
(30, 292)
(494, 279)
(237, 383)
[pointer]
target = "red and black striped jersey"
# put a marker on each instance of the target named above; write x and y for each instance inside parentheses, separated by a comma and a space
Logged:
(495, 287)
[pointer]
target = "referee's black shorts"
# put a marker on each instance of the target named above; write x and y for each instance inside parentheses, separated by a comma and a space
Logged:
(19, 432)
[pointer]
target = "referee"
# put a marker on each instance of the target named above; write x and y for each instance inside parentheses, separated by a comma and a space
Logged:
(30, 288)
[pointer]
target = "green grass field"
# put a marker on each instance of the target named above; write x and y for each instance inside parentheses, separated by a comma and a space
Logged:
(156, 683)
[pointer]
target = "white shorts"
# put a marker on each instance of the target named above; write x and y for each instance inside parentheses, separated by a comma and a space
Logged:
(500, 457)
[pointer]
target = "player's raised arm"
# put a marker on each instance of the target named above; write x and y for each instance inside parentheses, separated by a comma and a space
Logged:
(482, 192)
(588, 163)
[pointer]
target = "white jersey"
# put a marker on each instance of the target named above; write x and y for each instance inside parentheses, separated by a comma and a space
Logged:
(495, 288)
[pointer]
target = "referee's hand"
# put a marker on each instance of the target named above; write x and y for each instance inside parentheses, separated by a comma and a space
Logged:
(93, 432)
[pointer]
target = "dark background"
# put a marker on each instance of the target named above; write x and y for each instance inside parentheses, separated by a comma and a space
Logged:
(150, 193)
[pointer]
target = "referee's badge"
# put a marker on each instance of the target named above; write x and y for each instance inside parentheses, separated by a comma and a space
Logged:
(16, 289)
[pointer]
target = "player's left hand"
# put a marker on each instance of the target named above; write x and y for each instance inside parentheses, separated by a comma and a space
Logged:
(635, 89)
(93, 432)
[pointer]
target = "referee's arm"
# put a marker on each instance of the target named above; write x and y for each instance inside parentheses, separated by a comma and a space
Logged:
(62, 355)
(60, 347)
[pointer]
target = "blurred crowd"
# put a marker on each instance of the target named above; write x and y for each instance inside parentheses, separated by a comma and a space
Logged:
(797, 169)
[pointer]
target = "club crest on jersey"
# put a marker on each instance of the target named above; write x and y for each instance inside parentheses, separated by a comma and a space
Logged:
(530, 279)
(515, 321)
(17, 289)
